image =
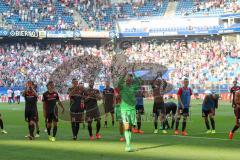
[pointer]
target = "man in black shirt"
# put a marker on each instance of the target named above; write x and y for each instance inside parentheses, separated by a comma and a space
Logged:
(31, 97)
(50, 110)
(76, 95)
(108, 101)
(92, 110)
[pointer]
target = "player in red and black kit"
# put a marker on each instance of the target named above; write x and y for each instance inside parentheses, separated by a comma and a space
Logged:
(34, 86)
(76, 94)
(92, 110)
(37, 118)
(232, 94)
(31, 97)
(50, 110)
(159, 86)
(108, 100)
(237, 114)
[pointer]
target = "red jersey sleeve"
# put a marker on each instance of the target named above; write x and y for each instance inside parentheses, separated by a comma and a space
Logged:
(190, 91)
(179, 92)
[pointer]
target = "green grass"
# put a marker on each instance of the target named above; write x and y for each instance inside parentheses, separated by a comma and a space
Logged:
(197, 146)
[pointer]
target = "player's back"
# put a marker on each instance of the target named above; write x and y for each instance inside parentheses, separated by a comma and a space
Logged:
(170, 106)
(208, 102)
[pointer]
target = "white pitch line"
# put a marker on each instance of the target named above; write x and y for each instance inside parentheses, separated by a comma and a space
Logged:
(209, 138)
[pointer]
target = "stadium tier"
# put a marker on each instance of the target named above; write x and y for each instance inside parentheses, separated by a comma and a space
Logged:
(209, 62)
(98, 76)
(207, 7)
(100, 15)
(32, 15)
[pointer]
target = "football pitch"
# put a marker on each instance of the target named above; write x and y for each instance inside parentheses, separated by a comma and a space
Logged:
(197, 145)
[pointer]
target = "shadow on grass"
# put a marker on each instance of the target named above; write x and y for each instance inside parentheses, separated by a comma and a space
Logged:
(29, 151)
(151, 147)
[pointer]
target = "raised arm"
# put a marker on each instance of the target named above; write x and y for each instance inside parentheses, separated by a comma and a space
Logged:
(35, 92)
(121, 80)
(159, 74)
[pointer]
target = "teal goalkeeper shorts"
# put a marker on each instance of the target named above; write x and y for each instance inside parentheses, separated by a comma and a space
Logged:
(129, 116)
(118, 112)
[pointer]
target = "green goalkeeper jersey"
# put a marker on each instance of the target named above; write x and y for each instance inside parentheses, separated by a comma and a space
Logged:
(128, 94)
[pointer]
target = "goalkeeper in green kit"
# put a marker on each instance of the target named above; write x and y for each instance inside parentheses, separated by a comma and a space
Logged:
(128, 86)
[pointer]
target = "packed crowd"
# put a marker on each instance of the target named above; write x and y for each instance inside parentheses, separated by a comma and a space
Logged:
(103, 13)
(203, 62)
(39, 11)
(99, 14)
(208, 5)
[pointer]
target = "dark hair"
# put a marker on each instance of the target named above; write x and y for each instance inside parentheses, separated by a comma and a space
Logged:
(74, 79)
(50, 82)
(131, 75)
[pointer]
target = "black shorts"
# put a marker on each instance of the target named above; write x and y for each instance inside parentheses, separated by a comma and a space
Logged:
(159, 108)
(172, 110)
(205, 113)
(140, 109)
(51, 117)
(31, 115)
(77, 117)
(108, 108)
(184, 112)
(92, 114)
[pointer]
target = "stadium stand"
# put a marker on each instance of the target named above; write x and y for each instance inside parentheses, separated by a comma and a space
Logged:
(206, 62)
(32, 15)
(207, 7)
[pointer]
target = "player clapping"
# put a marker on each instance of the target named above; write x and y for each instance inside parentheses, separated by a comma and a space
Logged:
(92, 110)
(50, 109)
(128, 84)
(31, 97)
(159, 109)
(76, 95)
(108, 99)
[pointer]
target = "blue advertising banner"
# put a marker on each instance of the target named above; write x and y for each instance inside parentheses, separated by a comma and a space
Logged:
(4, 33)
